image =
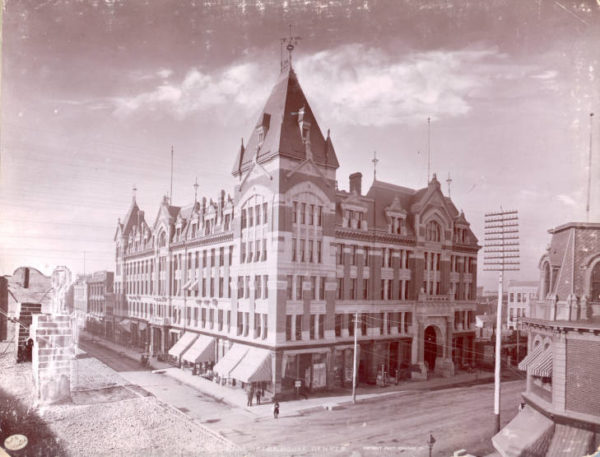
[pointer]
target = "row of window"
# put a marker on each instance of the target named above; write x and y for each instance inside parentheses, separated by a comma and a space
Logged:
(317, 287)
(386, 258)
(402, 321)
(463, 320)
(293, 326)
(249, 254)
(521, 297)
(314, 253)
(261, 289)
(309, 214)
(254, 216)
(359, 289)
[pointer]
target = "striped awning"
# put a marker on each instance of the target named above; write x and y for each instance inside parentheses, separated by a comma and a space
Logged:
(202, 350)
(230, 360)
(254, 367)
(542, 365)
(528, 360)
(183, 344)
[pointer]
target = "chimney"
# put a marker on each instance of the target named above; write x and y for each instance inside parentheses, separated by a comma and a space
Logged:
(26, 278)
(356, 182)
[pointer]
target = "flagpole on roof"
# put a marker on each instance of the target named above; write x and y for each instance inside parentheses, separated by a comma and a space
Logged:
(171, 193)
(589, 186)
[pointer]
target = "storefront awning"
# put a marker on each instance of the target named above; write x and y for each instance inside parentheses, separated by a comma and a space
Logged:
(528, 360)
(542, 365)
(230, 360)
(523, 433)
(183, 344)
(202, 350)
(125, 324)
(254, 367)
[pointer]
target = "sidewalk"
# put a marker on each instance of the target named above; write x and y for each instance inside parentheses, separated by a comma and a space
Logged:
(131, 353)
(327, 400)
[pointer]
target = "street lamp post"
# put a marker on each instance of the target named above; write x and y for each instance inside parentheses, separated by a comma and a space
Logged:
(430, 443)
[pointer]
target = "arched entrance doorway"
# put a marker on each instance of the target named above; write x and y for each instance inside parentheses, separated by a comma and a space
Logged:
(431, 347)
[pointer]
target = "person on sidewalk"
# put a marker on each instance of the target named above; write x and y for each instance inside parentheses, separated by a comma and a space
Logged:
(250, 395)
(258, 394)
(275, 409)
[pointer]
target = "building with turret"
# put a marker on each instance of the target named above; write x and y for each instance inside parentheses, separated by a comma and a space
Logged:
(265, 282)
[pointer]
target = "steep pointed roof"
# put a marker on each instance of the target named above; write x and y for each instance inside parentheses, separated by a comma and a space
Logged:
(278, 131)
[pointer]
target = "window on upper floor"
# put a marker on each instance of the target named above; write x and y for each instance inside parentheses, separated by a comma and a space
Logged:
(433, 232)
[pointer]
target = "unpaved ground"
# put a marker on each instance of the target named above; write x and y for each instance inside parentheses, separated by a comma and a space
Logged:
(106, 417)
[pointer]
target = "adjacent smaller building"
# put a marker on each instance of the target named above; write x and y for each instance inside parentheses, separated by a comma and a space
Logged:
(561, 415)
(520, 296)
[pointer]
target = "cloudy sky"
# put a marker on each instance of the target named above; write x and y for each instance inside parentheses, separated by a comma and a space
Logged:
(95, 93)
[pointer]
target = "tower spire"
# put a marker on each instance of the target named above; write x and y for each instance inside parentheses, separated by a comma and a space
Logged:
(196, 191)
(589, 186)
(428, 148)
(133, 191)
(449, 181)
(290, 43)
(375, 160)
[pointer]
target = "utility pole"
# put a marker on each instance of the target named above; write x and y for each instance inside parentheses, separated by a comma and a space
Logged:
(501, 253)
(355, 357)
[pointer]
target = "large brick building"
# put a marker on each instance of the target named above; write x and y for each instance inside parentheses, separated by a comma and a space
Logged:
(562, 412)
(266, 282)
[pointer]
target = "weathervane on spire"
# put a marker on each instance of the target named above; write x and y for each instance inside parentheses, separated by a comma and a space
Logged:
(134, 190)
(375, 160)
(290, 43)
(449, 181)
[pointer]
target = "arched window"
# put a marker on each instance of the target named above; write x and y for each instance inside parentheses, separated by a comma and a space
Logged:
(595, 283)
(546, 285)
(162, 240)
(433, 232)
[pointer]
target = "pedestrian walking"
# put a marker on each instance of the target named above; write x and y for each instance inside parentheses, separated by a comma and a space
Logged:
(276, 409)
(250, 395)
(258, 394)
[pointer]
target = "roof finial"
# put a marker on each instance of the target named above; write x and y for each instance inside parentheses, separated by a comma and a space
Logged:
(290, 43)
(196, 191)
(428, 148)
(134, 190)
(328, 133)
(375, 160)
(449, 181)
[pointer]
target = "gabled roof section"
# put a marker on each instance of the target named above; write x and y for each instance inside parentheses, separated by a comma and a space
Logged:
(167, 211)
(278, 131)
(134, 219)
(386, 194)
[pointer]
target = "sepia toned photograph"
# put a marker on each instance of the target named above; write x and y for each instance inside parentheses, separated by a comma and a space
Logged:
(354, 228)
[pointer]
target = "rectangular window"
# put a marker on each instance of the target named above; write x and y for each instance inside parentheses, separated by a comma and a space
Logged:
(322, 288)
(340, 288)
(295, 212)
(221, 256)
(354, 255)
(311, 249)
(240, 322)
(247, 286)
(313, 287)
(351, 324)
(203, 316)
(212, 286)
(294, 249)
(220, 320)
(320, 216)
(230, 255)
(211, 317)
(288, 327)
(302, 250)
(290, 286)
(311, 215)
(311, 329)
(257, 287)
(221, 287)
(257, 212)
(389, 323)
(389, 289)
(250, 251)
(338, 325)
(381, 322)
(303, 213)
(321, 326)
(266, 286)
(366, 256)
(365, 289)
(250, 216)
(264, 250)
(383, 289)
(243, 219)
(299, 287)
(246, 322)
(240, 286)
(212, 257)
(340, 254)
(353, 289)
(363, 324)
(319, 253)
(257, 255)
(265, 213)
(298, 327)
(407, 321)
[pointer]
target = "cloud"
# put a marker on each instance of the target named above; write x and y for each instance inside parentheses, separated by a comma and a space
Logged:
(567, 200)
(352, 84)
